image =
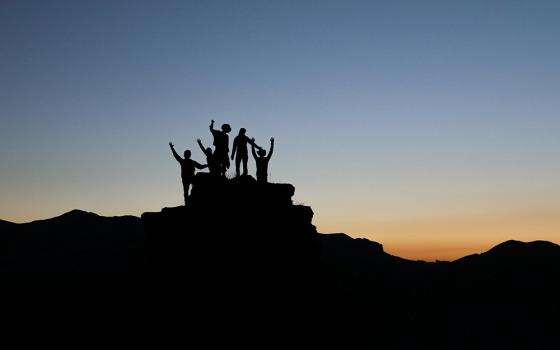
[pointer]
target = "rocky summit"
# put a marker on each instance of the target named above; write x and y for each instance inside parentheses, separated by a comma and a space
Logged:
(237, 241)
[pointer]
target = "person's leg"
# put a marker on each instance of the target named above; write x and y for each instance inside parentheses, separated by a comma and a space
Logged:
(218, 161)
(186, 186)
(245, 158)
(224, 162)
(237, 161)
(223, 168)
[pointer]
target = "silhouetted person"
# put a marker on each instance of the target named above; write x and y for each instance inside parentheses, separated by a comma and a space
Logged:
(262, 161)
(213, 165)
(240, 146)
(187, 169)
(221, 146)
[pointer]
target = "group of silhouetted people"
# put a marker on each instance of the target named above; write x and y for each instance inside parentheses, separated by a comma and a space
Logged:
(217, 161)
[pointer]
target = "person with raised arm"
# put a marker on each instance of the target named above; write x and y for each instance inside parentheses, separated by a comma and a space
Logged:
(240, 146)
(221, 147)
(188, 167)
(213, 165)
(262, 159)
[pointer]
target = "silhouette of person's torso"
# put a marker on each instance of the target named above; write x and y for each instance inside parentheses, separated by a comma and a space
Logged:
(187, 169)
(240, 144)
(262, 168)
(212, 162)
(221, 141)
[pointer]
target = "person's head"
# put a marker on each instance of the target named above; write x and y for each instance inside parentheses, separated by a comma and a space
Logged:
(187, 154)
(261, 152)
(242, 131)
(209, 150)
(226, 128)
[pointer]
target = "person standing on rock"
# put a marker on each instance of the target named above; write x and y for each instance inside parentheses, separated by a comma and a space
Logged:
(213, 165)
(240, 146)
(221, 146)
(187, 169)
(262, 161)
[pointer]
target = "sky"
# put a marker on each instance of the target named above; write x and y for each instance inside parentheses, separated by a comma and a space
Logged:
(430, 127)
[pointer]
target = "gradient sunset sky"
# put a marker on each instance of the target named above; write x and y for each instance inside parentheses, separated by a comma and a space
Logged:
(432, 127)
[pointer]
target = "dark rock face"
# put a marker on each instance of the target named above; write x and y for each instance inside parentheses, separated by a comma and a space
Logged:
(236, 242)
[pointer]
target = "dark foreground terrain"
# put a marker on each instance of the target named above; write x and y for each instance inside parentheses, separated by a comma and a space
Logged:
(240, 255)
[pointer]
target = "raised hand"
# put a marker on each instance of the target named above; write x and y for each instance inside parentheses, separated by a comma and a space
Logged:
(272, 140)
(171, 144)
(198, 140)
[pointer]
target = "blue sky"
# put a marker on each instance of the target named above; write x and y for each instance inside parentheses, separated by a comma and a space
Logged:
(387, 115)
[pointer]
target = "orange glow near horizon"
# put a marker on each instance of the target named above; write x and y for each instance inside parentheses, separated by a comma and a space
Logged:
(450, 238)
(444, 238)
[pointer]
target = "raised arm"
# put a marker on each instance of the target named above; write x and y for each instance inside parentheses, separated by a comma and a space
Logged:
(179, 159)
(201, 146)
(212, 125)
(271, 148)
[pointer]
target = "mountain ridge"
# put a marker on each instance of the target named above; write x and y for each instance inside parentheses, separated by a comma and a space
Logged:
(509, 245)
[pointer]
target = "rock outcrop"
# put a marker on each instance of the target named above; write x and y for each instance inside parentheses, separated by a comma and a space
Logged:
(236, 242)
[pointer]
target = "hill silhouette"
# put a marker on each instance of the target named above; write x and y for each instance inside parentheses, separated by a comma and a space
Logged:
(77, 249)
(240, 247)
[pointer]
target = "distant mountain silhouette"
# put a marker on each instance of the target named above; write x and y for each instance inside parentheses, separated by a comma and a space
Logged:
(4, 223)
(241, 247)
(516, 251)
(76, 249)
